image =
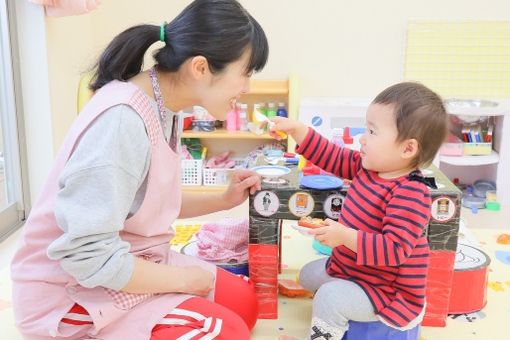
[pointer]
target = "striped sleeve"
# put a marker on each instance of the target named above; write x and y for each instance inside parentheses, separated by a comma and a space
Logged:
(407, 215)
(330, 157)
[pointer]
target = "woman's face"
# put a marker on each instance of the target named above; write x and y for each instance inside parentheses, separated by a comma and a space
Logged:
(220, 91)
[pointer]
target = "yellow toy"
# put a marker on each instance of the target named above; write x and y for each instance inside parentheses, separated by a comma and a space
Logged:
(183, 233)
(260, 117)
(84, 92)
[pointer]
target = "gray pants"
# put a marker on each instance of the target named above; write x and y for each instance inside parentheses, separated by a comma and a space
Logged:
(336, 302)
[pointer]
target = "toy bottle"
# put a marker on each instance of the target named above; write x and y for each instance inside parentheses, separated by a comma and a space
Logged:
(271, 110)
(242, 122)
(232, 119)
(282, 112)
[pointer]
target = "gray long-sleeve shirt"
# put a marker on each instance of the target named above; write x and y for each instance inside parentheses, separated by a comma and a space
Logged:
(102, 184)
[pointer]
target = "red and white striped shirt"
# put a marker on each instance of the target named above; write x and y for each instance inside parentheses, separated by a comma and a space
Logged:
(390, 216)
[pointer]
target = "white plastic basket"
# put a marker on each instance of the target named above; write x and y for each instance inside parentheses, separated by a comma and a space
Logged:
(191, 171)
(218, 176)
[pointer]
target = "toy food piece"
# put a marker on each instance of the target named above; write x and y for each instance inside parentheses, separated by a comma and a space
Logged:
(503, 239)
(291, 288)
(309, 222)
(183, 233)
(263, 118)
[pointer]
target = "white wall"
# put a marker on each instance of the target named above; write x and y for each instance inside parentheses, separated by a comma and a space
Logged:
(352, 48)
(36, 95)
(337, 47)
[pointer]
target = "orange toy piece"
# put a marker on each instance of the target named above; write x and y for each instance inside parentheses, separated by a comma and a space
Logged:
(309, 222)
(291, 288)
(503, 239)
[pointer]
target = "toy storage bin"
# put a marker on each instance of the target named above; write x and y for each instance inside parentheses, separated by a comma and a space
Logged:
(191, 171)
(455, 147)
(477, 149)
(469, 136)
(219, 176)
(452, 147)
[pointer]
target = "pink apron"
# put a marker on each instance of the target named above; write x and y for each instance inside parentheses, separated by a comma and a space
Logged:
(43, 292)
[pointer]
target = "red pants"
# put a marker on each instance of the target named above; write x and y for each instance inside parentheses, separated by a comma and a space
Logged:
(235, 301)
(231, 316)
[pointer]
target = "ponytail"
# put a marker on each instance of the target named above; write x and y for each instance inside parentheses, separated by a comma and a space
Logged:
(219, 30)
(123, 58)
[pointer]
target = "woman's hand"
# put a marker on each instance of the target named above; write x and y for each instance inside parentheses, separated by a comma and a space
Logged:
(197, 281)
(242, 184)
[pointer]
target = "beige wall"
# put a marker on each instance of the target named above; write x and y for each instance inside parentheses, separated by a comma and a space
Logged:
(337, 47)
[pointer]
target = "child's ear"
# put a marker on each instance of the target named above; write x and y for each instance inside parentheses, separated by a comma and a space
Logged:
(410, 148)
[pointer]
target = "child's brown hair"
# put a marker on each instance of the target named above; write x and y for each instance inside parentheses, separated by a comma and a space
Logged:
(419, 114)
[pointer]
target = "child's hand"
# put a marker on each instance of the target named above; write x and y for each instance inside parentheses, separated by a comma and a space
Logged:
(330, 235)
(296, 129)
(197, 281)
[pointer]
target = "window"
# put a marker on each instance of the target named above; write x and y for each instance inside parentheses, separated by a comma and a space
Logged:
(12, 192)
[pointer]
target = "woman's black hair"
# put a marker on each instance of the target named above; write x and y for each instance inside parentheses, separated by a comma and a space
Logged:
(219, 30)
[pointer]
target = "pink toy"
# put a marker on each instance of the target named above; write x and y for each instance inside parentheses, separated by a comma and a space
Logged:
(221, 161)
(224, 241)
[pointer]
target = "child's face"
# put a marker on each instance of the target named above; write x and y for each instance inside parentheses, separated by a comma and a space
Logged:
(380, 150)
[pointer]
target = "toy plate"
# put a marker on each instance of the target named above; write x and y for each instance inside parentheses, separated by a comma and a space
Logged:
(271, 171)
(303, 230)
(321, 182)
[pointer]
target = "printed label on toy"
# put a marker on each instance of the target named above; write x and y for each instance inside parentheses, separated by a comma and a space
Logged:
(443, 209)
(333, 205)
(301, 204)
(266, 203)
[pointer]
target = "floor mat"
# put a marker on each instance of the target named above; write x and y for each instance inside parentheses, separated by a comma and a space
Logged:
(295, 314)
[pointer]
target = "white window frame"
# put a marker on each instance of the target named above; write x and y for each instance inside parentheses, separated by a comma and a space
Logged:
(13, 215)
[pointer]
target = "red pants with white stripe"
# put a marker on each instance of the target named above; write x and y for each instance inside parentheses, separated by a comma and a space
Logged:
(234, 302)
(231, 316)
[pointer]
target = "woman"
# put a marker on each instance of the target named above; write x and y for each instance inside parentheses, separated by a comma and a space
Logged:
(94, 259)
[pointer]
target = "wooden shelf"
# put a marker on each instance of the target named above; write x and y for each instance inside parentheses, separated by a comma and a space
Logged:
(241, 143)
(269, 87)
(493, 158)
(224, 134)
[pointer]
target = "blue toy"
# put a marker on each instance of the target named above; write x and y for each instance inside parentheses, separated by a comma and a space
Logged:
(321, 248)
(236, 268)
(377, 330)
(321, 182)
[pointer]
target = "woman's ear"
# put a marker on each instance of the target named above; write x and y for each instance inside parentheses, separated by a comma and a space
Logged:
(410, 148)
(199, 67)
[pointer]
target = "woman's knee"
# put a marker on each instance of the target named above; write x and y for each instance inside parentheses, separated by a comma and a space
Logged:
(238, 294)
(223, 322)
